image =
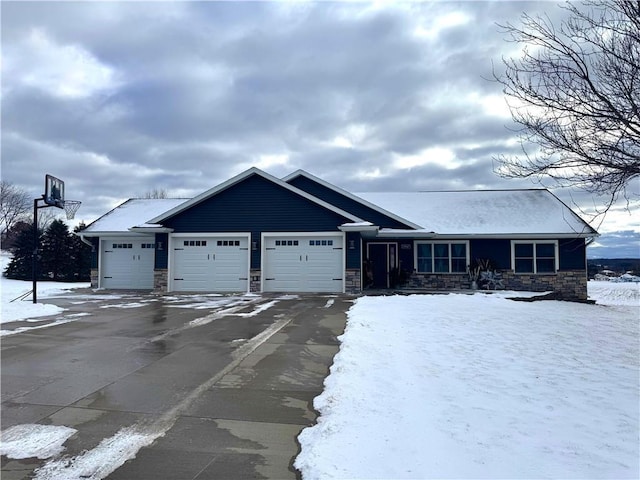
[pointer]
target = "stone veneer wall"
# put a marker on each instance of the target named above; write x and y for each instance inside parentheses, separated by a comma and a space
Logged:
(353, 282)
(94, 278)
(254, 281)
(161, 279)
(438, 282)
(568, 284)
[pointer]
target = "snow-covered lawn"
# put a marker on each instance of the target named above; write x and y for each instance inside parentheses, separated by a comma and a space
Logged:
(12, 311)
(480, 386)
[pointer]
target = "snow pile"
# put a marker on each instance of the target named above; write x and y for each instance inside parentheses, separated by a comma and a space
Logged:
(14, 309)
(32, 440)
(478, 386)
(611, 293)
(101, 461)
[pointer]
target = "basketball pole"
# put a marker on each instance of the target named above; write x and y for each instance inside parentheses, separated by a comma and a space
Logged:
(34, 257)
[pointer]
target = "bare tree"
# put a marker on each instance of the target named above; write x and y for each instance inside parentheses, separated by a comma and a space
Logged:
(15, 205)
(575, 93)
(156, 193)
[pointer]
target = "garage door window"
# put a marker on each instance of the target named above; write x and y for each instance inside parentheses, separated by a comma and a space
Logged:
(287, 243)
(195, 243)
(228, 243)
(123, 245)
(321, 243)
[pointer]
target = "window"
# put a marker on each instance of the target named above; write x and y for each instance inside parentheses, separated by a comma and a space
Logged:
(285, 243)
(441, 257)
(195, 243)
(534, 257)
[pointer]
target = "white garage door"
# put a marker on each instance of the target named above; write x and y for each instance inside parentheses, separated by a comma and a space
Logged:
(127, 262)
(303, 263)
(210, 264)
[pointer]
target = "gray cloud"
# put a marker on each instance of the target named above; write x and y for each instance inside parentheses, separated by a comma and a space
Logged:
(118, 98)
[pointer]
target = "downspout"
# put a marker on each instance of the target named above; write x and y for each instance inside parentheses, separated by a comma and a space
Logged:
(82, 239)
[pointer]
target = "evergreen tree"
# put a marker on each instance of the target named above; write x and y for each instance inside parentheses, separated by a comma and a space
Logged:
(56, 256)
(20, 267)
(80, 256)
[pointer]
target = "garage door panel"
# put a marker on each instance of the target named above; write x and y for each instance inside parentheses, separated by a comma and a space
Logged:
(127, 263)
(213, 264)
(303, 264)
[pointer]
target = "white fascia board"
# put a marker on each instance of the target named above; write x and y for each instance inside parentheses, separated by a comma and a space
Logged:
(358, 228)
(395, 233)
(127, 233)
(392, 233)
(350, 195)
(237, 179)
(516, 236)
(153, 229)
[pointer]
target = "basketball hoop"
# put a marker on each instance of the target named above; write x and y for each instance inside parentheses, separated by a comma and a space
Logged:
(71, 207)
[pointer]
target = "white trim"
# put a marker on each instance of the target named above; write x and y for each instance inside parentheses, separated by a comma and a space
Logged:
(264, 235)
(124, 233)
(556, 253)
(394, 233)
(151, 229)
(239, 178)
(440, 242)
(176, 236)
(355, 198)
(109, 239)
(358, 228)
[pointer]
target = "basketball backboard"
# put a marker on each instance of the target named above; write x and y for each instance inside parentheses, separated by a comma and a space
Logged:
(53, 191)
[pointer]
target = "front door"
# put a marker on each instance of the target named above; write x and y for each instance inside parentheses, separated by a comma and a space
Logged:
(380, 265)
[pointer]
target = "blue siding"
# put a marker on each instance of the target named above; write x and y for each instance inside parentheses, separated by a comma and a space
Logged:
(353, 249)
(256, 205)
(162, 251)
(496, 250)
(345, 203)
(572, 254)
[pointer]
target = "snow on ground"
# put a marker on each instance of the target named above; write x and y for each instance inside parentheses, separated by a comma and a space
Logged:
(14, 309)
(611, 293)
(32, 440)
(480, 386)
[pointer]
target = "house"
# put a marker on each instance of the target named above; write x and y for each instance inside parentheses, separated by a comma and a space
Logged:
(258, 233)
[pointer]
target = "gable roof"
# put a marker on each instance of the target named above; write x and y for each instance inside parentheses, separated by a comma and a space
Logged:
(301, 173)
(514, 213)
(131, 213)
(239, 178)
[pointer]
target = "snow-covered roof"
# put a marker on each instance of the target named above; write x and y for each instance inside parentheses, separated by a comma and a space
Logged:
(132, 213)
(484, 212)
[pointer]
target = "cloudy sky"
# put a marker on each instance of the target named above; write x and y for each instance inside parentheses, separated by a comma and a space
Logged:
(120, 98)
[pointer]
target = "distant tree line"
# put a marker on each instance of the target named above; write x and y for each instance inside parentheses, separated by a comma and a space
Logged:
(618, 265)
(62, 256)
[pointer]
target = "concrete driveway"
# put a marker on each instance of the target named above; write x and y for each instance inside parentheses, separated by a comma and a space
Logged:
(196, 387)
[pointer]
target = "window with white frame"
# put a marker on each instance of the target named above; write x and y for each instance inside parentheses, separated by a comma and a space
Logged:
(534, 256)
(441, 257)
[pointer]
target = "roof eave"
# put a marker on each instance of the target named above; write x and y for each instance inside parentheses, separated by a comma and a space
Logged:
(151, 229)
